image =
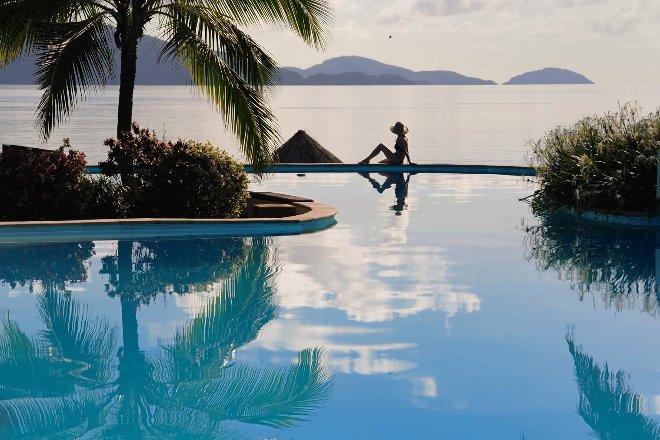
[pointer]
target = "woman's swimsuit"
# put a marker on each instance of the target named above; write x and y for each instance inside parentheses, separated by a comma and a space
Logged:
(401, 148)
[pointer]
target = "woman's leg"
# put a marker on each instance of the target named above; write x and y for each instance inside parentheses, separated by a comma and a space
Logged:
(391, 157)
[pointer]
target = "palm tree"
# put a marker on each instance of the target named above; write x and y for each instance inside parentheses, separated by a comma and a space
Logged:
(73, 40)
(66, 383)
(607, 404)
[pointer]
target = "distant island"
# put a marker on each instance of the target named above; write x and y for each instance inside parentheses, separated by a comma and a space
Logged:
(354, 70)
(549, 75)
(344, 70)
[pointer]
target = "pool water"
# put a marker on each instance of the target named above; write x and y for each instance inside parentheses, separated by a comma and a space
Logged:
(438, 306)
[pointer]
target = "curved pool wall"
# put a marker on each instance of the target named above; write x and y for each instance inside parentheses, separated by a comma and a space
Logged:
(311, 217)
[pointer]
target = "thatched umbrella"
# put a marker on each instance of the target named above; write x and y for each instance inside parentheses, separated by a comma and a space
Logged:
(302, 148)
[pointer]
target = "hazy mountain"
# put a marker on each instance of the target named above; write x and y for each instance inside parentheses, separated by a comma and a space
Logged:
(364, 71)
(149, 71)
(550, 75)
(288, 77)
(355, 79)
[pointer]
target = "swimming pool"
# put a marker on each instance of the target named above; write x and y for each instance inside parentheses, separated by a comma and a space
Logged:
(437, 307)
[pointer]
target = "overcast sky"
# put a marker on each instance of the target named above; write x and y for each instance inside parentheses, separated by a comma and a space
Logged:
(609, 41)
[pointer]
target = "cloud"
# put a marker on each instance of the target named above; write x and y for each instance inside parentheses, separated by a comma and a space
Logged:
(373, 283)
(564, 19)
(446, 7)
(352, 349)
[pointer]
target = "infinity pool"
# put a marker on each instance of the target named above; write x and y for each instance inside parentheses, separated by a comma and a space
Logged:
(437, 307)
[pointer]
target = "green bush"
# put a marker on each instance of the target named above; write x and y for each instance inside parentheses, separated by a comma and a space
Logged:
(107, 198)
(181, 179)
(600, 163)
(43, 185)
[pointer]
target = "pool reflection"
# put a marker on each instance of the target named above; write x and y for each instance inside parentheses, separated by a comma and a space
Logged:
(615, 263)
(76, 379)
(400, 188)
(607, 404)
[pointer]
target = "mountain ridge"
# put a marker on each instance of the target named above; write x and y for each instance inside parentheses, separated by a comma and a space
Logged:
(374, 71)
(343, 70)
(149, 70)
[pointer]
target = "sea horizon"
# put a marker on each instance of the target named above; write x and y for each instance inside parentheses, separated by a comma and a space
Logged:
(448, 124)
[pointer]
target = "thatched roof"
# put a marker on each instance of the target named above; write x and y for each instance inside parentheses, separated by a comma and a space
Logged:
(302, 148)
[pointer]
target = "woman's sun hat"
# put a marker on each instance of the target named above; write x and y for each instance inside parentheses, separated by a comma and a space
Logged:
(399, 128)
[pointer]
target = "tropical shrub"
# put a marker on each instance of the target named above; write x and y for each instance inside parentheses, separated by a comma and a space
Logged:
(107, 198)
(180, 179)
(43, 185)
(54, 263)
(600, 163)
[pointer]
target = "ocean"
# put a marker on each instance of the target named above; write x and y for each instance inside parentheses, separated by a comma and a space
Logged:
(448, 124)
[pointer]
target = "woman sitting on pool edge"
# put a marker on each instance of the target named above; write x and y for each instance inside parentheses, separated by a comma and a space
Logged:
(400, 148)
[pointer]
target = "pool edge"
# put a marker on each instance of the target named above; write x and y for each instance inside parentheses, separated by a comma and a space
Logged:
(312, 217)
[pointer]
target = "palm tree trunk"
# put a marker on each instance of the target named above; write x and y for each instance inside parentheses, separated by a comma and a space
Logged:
(129, 304)
(125, 107)
(129, 326)
(127, 85)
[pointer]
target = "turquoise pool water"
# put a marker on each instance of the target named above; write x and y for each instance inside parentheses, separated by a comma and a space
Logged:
(437, 307)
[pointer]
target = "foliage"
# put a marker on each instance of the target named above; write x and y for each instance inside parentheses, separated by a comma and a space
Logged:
(74, 43)
(107, 198)
(171, 266)
(43, 185)
(600, 163)
(44, 262)
(181, 179)
(616, 263)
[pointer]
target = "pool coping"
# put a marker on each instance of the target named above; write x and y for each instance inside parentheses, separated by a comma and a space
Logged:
(310, 217)
(510, 170)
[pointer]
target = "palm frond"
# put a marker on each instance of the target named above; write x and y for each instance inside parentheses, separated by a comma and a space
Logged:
(229, 321)
(77, 336)
(73, 57)
(607, 404)
(242, 104)
(237, 49)
(180, 422)
(309, 19)
(18, 19)
(25, 369)
(47, 417)
(279, 397)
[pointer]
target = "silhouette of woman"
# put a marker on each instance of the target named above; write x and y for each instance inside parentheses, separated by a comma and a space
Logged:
(400, 148)
(400, 188)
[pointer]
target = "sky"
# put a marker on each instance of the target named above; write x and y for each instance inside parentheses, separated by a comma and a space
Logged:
(609, 41)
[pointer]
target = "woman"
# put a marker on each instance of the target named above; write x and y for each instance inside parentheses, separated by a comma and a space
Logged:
(400, 148)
